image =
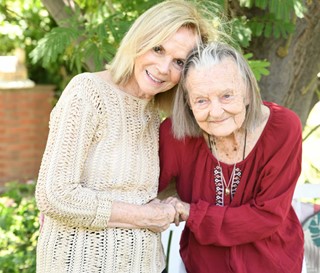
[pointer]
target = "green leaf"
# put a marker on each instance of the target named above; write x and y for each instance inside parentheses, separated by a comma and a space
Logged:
(241, 33)
(261, 4)
(53, 44)
(268, 30)
(259, 67)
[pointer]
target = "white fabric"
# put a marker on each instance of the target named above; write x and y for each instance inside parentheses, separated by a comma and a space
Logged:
(102, 147)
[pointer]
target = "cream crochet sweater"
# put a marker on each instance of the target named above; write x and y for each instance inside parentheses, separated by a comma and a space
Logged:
(102, 147)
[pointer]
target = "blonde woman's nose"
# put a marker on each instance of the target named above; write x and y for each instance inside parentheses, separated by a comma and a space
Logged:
(164, 65)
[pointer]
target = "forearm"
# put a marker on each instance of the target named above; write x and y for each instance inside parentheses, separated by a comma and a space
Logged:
(125, 215)
(154, 215)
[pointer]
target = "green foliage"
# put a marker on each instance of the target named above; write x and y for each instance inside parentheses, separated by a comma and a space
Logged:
(102, 27)
(276, 17)
(259, 67)
(19, 228)
(282, 9)
(268, 25)
(93, 31)
(22, 24)
(241, 32)
(54, 44)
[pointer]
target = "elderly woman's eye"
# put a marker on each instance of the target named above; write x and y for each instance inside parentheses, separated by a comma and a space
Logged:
(227, 97)
(201, 101)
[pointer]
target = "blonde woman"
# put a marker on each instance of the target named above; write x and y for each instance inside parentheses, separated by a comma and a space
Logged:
(99, 174)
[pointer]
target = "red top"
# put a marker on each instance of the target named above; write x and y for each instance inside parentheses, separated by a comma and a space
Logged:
(253, 230)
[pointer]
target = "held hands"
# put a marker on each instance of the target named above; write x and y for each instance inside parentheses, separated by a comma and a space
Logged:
(159, 215)
(182, 209)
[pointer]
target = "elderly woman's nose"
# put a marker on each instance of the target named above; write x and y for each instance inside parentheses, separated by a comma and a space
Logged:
(216, 108)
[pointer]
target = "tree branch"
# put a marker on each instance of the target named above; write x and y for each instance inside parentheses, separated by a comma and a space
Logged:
(60, 10)
(312, 130)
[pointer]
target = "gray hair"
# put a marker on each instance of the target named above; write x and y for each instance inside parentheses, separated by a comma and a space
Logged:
(183, 120)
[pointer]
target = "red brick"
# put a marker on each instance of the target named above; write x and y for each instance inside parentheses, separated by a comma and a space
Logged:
(24, 117)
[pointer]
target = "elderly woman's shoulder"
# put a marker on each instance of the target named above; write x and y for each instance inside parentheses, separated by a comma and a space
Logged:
(284, 117)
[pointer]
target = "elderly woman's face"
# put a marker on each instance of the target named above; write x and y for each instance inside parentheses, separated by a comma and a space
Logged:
(159, 69)
(218, 97)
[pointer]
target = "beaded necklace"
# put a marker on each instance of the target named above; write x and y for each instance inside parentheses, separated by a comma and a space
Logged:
(231, 179)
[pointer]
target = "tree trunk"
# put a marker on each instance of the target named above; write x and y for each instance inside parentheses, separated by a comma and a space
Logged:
(295, 63)
(60, 11)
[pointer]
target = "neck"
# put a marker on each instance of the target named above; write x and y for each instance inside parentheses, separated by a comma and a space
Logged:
(132, 88)
(229, 149)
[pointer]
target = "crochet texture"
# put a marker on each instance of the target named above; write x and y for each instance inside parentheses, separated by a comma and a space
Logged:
(102, 147)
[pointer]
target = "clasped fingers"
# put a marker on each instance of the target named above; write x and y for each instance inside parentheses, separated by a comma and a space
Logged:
(182, 209)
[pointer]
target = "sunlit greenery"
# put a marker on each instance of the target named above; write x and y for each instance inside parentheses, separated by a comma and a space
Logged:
(19, 228)
(94, 30)
(311, 155)
(22, 24)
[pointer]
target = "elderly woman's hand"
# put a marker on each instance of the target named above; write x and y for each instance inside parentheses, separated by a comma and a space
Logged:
(159, 215)
(182, 209)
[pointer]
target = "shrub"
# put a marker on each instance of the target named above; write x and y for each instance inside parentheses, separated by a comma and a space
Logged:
(19, 228)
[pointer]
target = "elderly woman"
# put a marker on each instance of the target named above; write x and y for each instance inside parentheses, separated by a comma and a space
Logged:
(236, 161)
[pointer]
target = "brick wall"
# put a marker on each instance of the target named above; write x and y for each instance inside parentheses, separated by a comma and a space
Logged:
(24, 117)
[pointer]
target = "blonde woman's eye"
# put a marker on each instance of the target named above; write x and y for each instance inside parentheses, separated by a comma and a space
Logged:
(178, 64)
(157, 49)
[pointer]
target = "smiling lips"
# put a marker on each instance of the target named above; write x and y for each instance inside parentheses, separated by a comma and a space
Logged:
(217, 121)
(153, 78)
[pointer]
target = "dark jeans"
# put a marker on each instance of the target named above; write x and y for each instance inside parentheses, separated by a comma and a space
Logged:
(164, 271)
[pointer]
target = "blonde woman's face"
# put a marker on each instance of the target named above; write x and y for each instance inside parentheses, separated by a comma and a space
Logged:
(218, 97)
(159, 69)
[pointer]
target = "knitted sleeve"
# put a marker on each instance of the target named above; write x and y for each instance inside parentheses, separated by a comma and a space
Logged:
(60, 193)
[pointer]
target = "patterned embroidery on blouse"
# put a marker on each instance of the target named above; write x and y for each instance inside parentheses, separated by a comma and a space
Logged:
(220, 187)
(235, 182)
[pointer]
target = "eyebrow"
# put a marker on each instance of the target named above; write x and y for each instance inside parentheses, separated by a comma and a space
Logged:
(176, 58)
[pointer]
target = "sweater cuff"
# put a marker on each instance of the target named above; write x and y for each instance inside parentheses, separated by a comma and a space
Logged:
(103, 212)
(197, 212)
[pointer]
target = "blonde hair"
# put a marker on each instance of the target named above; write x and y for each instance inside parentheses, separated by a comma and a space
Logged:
(183, 120)
(154, 27)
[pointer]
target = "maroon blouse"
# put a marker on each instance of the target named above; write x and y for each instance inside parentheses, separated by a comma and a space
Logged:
(254, 229)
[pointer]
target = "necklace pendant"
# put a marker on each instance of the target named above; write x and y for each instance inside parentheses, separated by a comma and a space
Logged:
(227, 191)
